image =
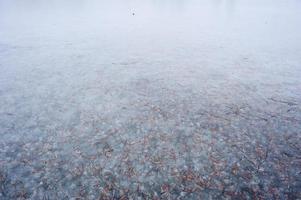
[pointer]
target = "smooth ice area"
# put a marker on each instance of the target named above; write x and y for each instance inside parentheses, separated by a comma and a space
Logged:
(149, 99)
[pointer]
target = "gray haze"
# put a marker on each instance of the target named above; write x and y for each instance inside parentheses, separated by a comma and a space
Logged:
(127, 94)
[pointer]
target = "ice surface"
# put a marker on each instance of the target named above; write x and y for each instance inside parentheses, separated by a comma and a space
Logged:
(150, 99)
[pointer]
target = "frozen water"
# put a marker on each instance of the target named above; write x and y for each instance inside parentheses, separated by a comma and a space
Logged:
(152, 99)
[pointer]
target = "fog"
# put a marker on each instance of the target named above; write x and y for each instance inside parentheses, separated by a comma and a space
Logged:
(166, 99)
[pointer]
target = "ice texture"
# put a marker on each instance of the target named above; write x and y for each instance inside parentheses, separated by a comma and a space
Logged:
(169, 99)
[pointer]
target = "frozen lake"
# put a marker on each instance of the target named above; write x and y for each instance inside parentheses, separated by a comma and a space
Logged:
(170, 99)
